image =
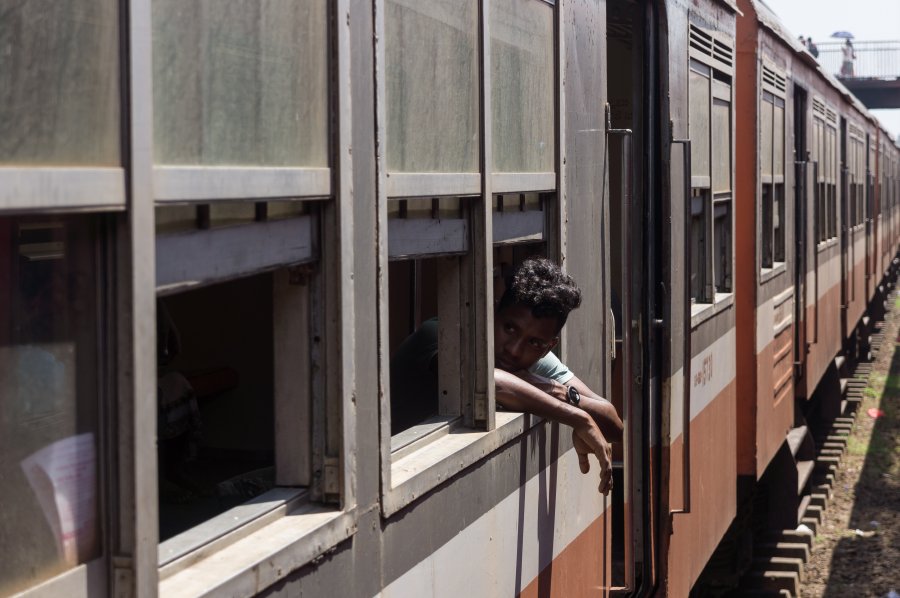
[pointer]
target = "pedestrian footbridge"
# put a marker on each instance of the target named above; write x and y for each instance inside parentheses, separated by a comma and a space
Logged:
(876, 71)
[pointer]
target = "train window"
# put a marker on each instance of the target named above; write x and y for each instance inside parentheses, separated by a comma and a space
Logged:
(779, 224)
(721, 150)
(56, 110)
(767, 247)
(428, 299)
(53, 389)
(772, 167)
(216, 407)
(699, 233)
(522, 76)
(238, 347)
(710, 128)
(240, 83)
(432, 87)
(700, 120)
(722, 259)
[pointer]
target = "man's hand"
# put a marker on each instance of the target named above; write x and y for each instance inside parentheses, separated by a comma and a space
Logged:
(601, 410)
(588, 439)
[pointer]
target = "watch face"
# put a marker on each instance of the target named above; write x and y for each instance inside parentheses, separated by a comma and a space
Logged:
(573, 396)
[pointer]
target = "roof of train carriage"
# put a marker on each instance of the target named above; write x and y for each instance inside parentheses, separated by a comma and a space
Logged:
(768, 19)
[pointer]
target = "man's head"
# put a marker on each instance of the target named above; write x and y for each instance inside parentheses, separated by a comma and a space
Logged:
(532, 311)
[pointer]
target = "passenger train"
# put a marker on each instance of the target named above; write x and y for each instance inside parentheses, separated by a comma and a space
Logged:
(219, 219)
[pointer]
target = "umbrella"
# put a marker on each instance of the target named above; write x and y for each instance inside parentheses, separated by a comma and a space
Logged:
(842, 34)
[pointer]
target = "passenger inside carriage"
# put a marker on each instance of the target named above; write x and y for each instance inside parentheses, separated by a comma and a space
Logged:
(528, 319)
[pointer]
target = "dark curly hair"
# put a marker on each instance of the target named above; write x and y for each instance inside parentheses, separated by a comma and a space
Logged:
(542, 286)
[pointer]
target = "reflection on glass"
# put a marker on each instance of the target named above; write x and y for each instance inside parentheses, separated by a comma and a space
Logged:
(59, 92)
(431, 71)
(49, 397)
(522, 106)
(240, 82)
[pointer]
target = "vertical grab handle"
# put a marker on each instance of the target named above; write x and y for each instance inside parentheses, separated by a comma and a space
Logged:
(628, 328)
(686, 399)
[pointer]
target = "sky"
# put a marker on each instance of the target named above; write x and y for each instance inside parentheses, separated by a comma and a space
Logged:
(867, 20)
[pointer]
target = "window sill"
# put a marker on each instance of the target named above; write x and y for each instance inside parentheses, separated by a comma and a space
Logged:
(701, 312)
(767, 274)
(211, 536)
(261, 558)
(448, 453)
(87, 579)
(823, 245)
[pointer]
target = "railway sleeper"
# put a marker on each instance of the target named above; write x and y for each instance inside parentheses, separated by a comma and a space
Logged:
(779, 581)
(813, 512)
(798, 550)
(779, 563)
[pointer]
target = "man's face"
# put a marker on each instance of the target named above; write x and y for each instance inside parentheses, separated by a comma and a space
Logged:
(520, 339)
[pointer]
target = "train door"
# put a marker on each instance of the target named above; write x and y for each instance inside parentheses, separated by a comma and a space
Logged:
(804, 182)
(631, 92)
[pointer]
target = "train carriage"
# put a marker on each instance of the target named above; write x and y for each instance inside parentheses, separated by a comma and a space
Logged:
(219, 224)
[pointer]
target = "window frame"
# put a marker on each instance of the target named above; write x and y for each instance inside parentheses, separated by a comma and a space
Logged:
(826, 159)
(90, 577)
(721, 87)
(430, 455)
(288, 541)
(773, 83)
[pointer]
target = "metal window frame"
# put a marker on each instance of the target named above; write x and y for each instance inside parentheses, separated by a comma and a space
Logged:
(776, 179)
(409, 472)
(133, 548)
(218, 183)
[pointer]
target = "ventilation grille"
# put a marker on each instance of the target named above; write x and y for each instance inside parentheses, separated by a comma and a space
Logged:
(701, 41)
(775, 81)
(711, 48)
(723, 53)
(818, 108)
(831, 116)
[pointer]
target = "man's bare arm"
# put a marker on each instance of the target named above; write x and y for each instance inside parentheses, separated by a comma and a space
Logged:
(597, 407)
(516, 394)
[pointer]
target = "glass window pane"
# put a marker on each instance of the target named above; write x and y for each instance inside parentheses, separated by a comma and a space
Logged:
(522, 107)
(698, 246)
(765, 137)
(778, 142)
(59, 92)
(766, 224)
(699, 124)
(49, 397)
(721, 154)
(722, 255)
(240, 82)
(779, 223)
(431, 74)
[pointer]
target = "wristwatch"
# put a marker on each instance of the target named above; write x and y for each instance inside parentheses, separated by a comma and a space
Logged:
(573, 397)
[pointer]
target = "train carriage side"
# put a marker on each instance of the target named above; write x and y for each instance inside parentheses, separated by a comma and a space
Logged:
(824, 292)
(699, 456)
(767, 244)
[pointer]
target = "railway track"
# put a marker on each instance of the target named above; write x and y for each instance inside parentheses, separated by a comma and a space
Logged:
(780, 557)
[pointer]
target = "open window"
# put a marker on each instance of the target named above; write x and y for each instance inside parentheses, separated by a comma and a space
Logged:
(711, 131)
(468, 177)
(252, 274)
